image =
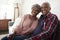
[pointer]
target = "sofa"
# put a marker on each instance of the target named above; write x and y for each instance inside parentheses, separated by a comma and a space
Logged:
(58, 31)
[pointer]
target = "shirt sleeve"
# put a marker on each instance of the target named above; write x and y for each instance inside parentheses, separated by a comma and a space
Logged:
(32, 27)
(51, 26)
(17, 27)
(14, 25)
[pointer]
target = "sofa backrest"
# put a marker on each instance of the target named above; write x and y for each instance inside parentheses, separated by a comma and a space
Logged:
(58, 31)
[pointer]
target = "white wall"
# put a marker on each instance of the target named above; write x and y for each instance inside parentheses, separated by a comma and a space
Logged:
(6, 9)
(55, 6)
(6, 6)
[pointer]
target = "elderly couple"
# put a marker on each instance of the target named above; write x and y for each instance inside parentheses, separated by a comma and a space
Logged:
(32, 28)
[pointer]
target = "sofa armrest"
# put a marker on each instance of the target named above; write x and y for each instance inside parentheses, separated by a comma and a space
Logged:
(10, 23)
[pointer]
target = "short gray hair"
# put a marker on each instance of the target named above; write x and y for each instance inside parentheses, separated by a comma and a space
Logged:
(37, 6)
(46, 3)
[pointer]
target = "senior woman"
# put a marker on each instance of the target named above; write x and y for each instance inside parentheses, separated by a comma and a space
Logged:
(27, 26)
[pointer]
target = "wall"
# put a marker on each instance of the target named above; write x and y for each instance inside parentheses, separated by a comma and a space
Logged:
(55, 6)
(6, 6)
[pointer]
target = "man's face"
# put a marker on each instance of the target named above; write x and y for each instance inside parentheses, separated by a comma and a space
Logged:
(45, 9)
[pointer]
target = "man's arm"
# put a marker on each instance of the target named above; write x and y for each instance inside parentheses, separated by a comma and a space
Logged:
(50, 27)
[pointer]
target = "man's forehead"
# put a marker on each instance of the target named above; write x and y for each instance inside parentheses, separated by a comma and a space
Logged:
(45, 4)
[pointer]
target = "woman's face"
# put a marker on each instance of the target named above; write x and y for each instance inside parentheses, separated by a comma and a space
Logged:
(35, 11)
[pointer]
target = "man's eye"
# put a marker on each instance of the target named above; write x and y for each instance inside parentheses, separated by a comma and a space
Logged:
(44, 7)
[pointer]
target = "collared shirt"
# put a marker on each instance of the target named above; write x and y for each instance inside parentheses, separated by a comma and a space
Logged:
(48, 28)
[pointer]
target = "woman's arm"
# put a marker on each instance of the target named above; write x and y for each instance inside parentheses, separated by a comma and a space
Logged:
(31, 29)
(18, 28)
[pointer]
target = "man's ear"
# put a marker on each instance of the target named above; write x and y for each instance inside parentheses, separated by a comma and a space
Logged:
(49, 8)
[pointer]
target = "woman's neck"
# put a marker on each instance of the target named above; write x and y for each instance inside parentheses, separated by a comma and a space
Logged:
(33, 17)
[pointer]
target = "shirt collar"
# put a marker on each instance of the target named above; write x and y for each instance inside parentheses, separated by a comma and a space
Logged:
(46, 15)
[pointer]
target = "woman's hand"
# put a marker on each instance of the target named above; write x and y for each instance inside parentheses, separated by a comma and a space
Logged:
(11, 36)
(26, 32)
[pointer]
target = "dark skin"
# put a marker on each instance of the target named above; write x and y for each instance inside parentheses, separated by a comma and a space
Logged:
(45, 8)
(34, 12)
(33, 17)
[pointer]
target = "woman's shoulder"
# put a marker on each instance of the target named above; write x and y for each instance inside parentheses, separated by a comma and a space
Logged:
(26, 15)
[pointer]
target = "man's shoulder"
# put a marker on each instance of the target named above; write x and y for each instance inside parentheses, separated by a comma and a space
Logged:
(51, 15)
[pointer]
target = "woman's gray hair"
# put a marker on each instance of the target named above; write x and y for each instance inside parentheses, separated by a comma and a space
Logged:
(37, 6)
